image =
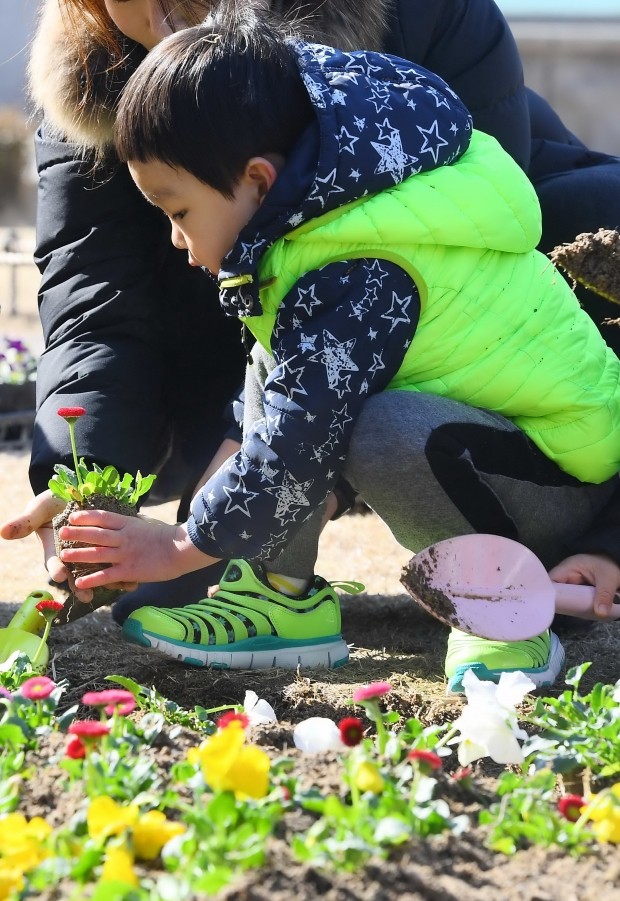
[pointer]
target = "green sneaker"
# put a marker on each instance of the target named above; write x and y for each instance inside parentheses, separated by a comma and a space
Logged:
(247, 625)
(540, 658)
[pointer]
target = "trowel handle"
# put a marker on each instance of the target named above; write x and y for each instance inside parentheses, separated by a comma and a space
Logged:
(578, 600)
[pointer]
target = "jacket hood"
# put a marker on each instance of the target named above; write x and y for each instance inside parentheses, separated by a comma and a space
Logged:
(79, 104)
(379, 120)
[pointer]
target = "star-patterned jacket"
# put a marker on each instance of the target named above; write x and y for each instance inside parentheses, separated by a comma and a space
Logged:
(334, 294)
(396, 120)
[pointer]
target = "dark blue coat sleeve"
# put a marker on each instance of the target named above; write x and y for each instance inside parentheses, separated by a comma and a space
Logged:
(340, 335)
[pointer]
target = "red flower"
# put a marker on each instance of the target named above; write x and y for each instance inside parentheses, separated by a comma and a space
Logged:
(75, 748)
(71, 413)
(351, 731)
(37, 688)
(49, 605)
(232, 717)
(49, 609)
(570, 807)
(86, 729)
(371, 692)
(427, 761)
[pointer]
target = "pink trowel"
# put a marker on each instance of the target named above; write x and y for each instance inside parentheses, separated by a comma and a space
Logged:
(493, 587)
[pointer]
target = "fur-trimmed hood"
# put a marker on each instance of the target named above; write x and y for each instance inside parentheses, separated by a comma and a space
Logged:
(57, 80)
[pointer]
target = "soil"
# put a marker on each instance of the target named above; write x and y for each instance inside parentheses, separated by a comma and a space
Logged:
(593, 259)
(391, 639)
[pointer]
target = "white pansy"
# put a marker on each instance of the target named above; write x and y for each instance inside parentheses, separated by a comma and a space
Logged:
(318, 733)
(488, 725)
(257, 710)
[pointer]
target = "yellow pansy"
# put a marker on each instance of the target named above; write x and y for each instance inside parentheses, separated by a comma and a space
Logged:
(228, 764)
(105, 817)
(118, 867)
(604, 811)
(16, 832)
(11, 880)
(152, 832)
(368, 778)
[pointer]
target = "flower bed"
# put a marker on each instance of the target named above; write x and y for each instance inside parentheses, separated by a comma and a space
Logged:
(135, 797)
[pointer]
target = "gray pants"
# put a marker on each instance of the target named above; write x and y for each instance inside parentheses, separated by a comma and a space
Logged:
(433, 468)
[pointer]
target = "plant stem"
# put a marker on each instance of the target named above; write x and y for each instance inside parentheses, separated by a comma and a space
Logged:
(71, 424)
(46, 632)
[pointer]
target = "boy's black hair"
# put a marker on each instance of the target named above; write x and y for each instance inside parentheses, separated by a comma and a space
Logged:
(209, 98)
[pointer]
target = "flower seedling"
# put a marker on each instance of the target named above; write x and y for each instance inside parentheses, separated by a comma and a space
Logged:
(96, 488)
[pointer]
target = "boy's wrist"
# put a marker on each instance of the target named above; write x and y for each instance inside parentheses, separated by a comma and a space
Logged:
(187, 557)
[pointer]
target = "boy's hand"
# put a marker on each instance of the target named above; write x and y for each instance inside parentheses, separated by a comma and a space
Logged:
(591, 569)
(137, 548)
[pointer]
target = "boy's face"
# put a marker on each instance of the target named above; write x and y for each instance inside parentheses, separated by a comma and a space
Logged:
(204, 222)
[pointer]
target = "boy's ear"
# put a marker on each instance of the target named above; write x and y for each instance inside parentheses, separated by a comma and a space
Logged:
(262, 172)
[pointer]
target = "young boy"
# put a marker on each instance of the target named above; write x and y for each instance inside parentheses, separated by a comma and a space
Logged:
(409, 340)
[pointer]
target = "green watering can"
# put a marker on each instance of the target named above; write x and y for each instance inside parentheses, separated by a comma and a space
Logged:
(24, 631)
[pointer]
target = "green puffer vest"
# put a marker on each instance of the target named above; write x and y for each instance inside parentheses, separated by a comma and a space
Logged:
(499, 327)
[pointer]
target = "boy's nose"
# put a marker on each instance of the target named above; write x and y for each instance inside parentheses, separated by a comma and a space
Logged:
(177, 237)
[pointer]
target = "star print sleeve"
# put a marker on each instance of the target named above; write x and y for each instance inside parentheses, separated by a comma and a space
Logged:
(340, 336)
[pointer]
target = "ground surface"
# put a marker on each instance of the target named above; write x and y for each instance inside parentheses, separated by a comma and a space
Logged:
(391, 640)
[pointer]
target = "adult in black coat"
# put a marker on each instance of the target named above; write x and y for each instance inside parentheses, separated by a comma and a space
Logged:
(131, 332)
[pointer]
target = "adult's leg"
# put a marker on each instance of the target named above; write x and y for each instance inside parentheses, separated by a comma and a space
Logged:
(433, 468)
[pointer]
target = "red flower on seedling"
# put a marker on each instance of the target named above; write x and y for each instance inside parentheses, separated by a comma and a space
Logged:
(232, 717)
(351, 731)
(427, 761)
(71, 413)
(570, 807)
(88, 729)
(49, 609)
(37, 688)
(76, 749)
(114, 700)
(371, 692)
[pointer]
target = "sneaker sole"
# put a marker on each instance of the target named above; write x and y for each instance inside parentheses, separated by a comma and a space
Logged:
(541, 677)
(291, 655)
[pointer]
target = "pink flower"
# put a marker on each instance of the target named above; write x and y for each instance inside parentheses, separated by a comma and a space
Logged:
(426, 760)
(37, 688)
(570, 807)
(351, 731)
(371, 692)
(463, 774)
(75, 748)
(115, 700)
(86, 729)
(232, 717)
(71, 413)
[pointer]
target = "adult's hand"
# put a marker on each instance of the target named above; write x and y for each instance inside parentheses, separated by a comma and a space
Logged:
(37, 517)
(591, 569)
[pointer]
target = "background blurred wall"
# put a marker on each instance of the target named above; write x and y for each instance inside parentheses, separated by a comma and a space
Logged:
(17, 18)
